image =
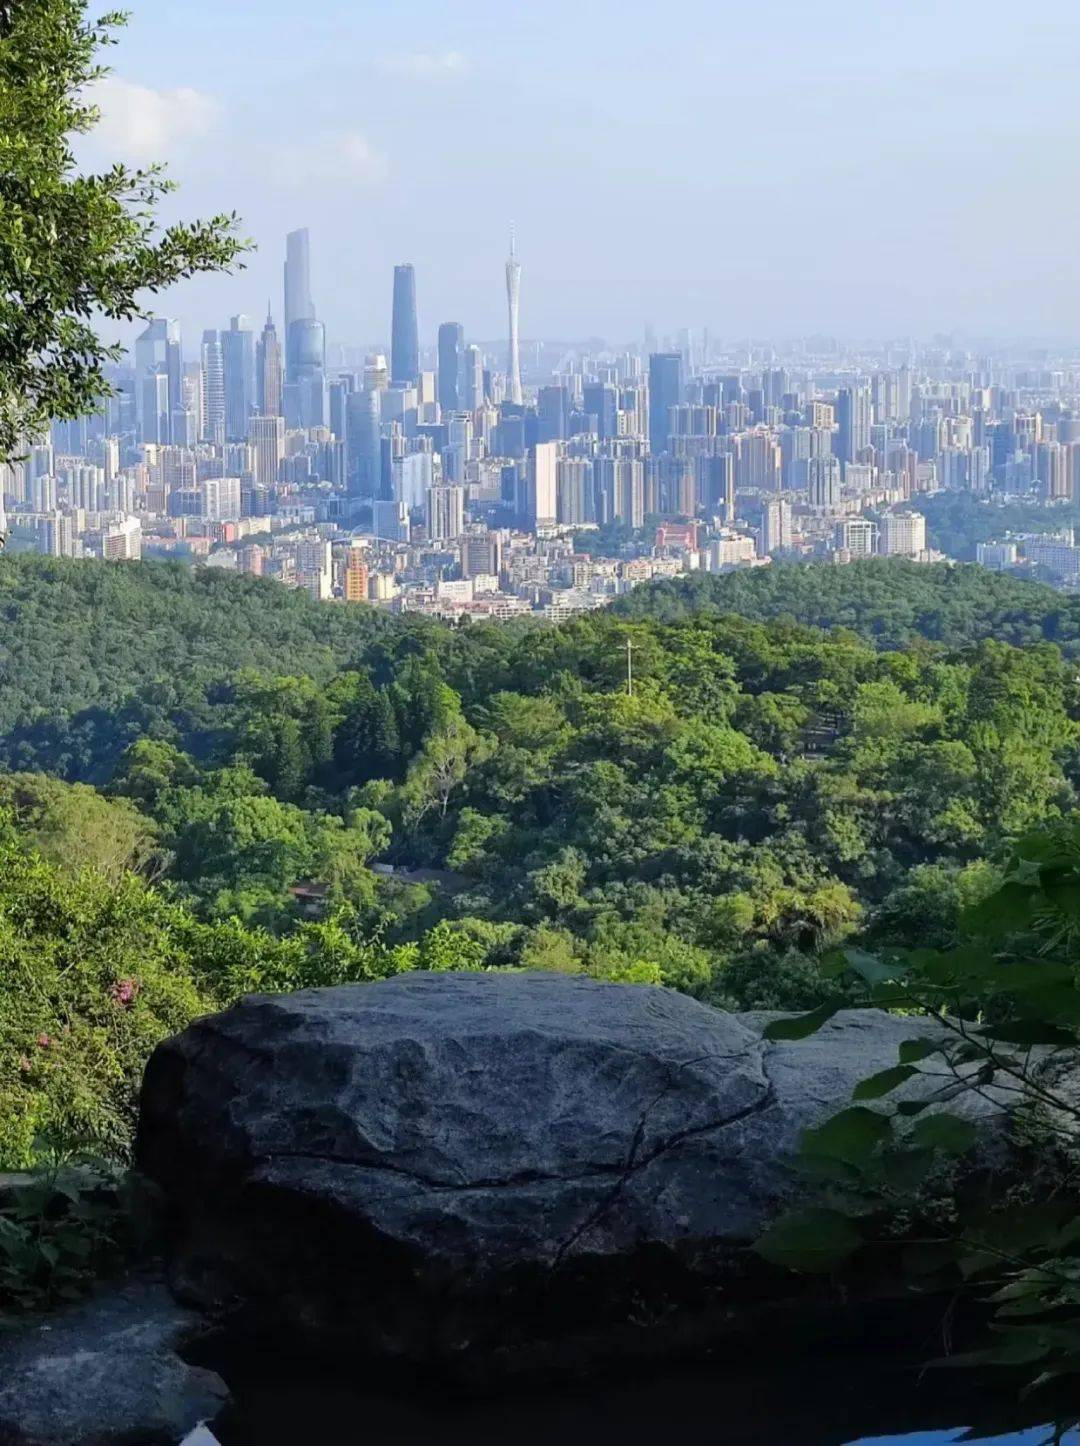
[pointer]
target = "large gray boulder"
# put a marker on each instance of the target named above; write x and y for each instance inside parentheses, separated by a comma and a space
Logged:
(487, 1172)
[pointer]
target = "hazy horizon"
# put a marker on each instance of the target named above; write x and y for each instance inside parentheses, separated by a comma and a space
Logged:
(896, 173)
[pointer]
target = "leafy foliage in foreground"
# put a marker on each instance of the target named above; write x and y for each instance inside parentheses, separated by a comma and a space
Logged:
(1005, 1013)
(73, 246)
(63, 1225)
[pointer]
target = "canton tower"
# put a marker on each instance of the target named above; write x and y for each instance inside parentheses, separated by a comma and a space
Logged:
(513, 297)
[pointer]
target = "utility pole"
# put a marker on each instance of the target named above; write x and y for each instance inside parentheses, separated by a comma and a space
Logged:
(629, 668)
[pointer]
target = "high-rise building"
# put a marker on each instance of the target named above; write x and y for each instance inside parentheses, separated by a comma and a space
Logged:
(298, 303)
(405, 336)
(451, 366)
(823, 481)
(306, 396)
(857, 536)
(268, 371)
(473, 388)
(376, 373)
(716, 484)
(542, 507)
(363, 465)
(903, 534)
(267, 436)
(481, 554)
(513, 301)
(854, 416)
(575, 495)
(212, 427)
(445, 513)
(155, 417)
(602, 403)
(220, 498)
(553, 408)
(775, 527)
(665, 392)
(356, 577)
(157, 352)
(238, 366)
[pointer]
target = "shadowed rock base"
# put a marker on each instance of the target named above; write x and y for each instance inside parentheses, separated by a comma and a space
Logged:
(106, 1373)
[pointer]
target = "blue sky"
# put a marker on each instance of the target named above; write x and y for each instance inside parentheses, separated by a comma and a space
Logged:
(862, 167)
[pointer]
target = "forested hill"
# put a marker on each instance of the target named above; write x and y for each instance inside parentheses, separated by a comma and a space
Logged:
(76, 635)
(888, 601)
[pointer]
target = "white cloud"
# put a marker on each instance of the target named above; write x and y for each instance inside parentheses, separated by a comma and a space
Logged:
(142, 124)
(344, 157)
(427, 64)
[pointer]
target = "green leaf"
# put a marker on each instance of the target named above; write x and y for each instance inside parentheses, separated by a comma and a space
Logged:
(907, 1169)
(812, 1241)
(803, 1025)
(852, 1135)
(1021, 1352)
(911, 1051)
(944, 1132)
(883, 1082)
(913, 1107)
(1029, 1032)
(869, 967)
(1005, 912)
(930, 1258)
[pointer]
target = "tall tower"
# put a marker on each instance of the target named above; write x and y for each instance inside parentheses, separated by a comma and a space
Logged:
(157, 350)
(404, 338)
(513, 299)
(451, 364)
(268, 375)
(298, 303)
(665, 392)
(238, 366)
(212, 428)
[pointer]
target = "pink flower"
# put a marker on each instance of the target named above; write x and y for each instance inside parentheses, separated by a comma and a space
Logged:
(44, 1042)
(124, 991)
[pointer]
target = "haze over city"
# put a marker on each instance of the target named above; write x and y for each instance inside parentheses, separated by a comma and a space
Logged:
(861, 171)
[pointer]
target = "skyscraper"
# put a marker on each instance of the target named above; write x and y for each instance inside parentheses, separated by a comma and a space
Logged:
(212, 428)
(445, 512)
(665, 392)
(602, 402)
(775, 527)
(238, 364)
(298, 303)
(854, 415)
(405, 338)
(513, 300)
(451, 362)
(306, 397)
(267, 436)
(157, 351)
(473, 387)
(364, 456)
(268, 371)
(542, 496)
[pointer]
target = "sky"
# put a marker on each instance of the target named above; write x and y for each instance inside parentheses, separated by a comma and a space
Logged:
(860, 168)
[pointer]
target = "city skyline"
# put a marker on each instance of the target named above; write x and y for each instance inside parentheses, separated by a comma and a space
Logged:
(871, 173)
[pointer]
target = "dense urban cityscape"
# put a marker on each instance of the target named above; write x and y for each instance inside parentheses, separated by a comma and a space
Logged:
(471, 480)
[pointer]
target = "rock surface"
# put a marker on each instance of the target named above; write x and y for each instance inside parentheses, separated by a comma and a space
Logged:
(105, 1373)
(487, 1172)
